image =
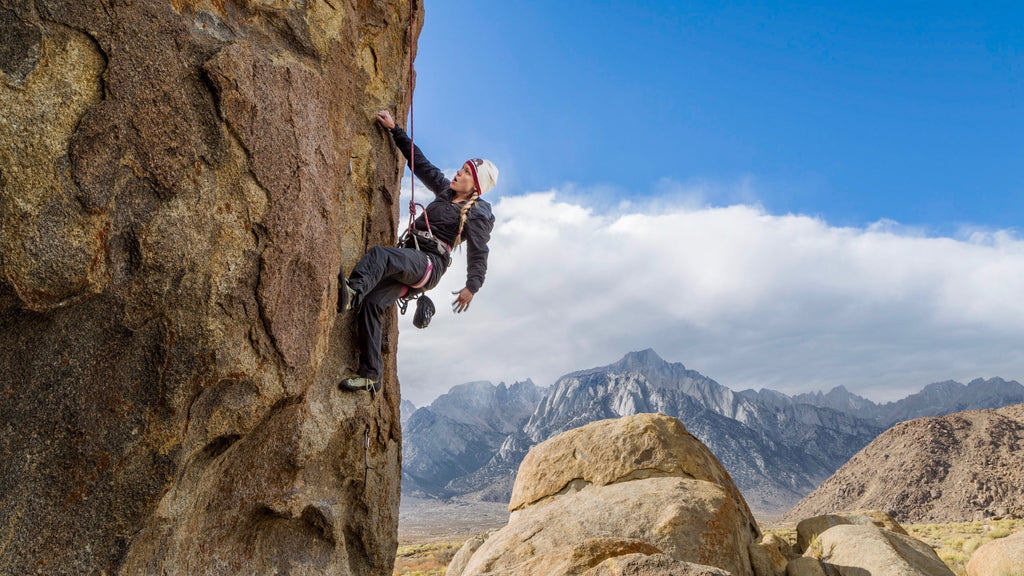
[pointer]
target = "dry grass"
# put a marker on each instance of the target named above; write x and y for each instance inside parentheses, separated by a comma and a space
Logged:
(787, 534)
(954, 543)
(429, 559)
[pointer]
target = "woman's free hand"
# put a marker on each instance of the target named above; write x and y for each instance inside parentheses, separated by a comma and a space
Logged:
(461, 302)
(385, 119)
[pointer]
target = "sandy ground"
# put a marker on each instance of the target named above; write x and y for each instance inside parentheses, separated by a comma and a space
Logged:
(421, 520)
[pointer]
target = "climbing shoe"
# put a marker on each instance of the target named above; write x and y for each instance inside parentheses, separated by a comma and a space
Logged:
(424, 312)
(360, 383)
(347, 297)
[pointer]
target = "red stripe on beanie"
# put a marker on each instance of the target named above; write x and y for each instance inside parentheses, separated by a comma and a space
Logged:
(472, 168)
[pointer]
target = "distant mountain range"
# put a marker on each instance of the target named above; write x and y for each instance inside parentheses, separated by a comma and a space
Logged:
(460, 432)
(469, 442)
(936, 399)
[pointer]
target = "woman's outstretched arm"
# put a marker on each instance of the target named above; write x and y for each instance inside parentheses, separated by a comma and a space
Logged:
(431, 176)
(478, 234)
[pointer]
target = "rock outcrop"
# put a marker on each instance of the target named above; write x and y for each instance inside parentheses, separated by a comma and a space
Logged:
(954, 468)
(808, 528)
(179, 184)
(856, 550)
(599, 491)
(859, 543)
(1004, 557)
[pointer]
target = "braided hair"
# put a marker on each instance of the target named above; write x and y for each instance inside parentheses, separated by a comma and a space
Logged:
(463, 215)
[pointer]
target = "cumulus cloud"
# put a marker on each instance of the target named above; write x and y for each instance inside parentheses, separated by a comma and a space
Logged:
(746, 297)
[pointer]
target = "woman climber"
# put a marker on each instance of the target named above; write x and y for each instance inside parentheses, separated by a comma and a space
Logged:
(386, 274)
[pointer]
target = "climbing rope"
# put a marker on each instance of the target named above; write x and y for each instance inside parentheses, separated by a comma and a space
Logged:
(403, 302)
(412, 139)
(366, 457)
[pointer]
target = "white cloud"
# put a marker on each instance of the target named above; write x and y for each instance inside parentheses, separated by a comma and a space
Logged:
(746, 297)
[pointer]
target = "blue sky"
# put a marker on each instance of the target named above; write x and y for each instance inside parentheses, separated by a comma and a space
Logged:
(854, 112)
(845, 184)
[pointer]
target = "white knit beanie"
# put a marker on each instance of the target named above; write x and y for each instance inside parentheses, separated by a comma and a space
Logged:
(486, 174)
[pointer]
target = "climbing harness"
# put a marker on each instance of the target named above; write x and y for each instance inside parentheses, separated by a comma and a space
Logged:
(426, 242)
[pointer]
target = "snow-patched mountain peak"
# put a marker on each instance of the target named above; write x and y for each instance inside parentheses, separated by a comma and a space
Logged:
(640, 360)
(639, 382)
(838, 398)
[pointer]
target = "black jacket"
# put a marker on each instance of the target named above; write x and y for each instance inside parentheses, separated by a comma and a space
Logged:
(444, 215)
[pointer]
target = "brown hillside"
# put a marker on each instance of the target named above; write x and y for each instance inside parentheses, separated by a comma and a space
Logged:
(946, 469)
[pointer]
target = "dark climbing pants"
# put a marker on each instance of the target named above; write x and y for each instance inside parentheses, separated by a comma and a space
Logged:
(379, 278)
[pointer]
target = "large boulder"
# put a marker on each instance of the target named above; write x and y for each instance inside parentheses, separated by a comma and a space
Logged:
(808, 528)
(639, 478)
(1004, 556)
(179, 184)
(856, 550)
(617, 450)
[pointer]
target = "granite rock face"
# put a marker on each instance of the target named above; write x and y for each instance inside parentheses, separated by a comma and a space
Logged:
(180, 182)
